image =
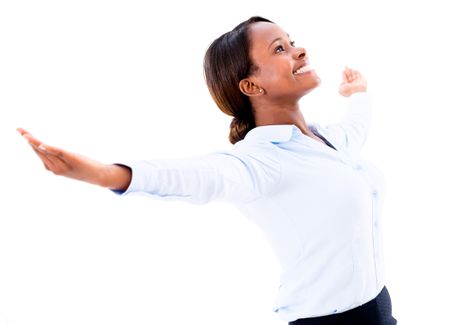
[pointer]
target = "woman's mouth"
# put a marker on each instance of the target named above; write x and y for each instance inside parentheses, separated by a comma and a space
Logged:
(304, 69)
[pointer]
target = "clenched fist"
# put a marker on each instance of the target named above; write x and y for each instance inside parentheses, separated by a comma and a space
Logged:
(352, 82)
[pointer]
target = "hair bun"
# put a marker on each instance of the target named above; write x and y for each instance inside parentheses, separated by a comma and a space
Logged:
(239, 128)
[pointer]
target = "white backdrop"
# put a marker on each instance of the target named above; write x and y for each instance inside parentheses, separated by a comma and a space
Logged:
(122, 80)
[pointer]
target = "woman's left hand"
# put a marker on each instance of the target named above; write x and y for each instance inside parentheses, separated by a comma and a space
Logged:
(352, 82)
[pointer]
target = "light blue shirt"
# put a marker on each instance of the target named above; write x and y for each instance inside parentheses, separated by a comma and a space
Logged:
(319, 207)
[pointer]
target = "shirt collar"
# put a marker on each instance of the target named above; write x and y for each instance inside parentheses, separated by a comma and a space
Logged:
(274, 133)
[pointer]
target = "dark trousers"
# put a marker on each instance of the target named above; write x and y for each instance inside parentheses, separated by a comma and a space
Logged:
(378, 311)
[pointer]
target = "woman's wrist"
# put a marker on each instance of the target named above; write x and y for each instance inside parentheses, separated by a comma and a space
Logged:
(358, 91)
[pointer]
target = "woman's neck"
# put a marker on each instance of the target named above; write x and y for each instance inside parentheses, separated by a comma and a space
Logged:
(282, 115)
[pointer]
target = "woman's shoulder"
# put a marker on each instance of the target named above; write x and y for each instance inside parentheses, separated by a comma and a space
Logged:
(254, 154)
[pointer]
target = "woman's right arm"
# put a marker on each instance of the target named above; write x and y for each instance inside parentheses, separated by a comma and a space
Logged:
(75, 166)
(227, 176)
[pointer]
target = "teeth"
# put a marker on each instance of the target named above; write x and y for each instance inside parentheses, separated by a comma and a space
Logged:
(303, 69)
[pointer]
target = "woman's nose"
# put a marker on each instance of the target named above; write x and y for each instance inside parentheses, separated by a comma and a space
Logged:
(300, 53)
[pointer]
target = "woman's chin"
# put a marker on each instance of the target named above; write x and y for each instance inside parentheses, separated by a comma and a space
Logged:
(311, 79)
(312, 86)
(316, 78)
(315, 82)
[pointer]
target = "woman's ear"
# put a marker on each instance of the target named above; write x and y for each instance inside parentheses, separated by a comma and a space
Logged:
(249, 88)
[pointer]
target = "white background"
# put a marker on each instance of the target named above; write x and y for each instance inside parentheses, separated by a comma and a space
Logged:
(122, 80)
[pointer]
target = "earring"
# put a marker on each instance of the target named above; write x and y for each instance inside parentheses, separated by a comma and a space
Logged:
(260, 90)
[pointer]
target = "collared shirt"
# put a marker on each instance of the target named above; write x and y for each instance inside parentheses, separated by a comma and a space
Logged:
(318, 206)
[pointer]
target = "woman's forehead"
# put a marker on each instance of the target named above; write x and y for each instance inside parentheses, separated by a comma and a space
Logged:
(266, 32)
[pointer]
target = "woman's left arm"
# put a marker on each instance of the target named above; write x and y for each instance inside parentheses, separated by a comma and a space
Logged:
(351, 132)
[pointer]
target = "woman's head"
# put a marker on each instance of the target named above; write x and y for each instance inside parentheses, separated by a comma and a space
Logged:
(256, 62)
(227, 62)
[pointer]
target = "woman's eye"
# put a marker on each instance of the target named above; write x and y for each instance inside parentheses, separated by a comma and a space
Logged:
(292, 43)
(279, 49)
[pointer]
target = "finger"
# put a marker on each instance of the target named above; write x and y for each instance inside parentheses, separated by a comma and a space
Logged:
(21, 131)
(354, 74)
(31, 140)
(344, 76)
(53, 151)
(52, 163)
(53, 158)
(24, 132)
(39, 145)
(348, 73)
(48, 164)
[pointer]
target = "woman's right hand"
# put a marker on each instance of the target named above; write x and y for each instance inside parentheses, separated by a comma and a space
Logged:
(75, 166)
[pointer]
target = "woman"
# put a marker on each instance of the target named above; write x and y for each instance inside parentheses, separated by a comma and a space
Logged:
(305, 185)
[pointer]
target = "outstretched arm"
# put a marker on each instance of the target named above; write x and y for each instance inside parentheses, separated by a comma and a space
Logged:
(75, 166)
(230, 176)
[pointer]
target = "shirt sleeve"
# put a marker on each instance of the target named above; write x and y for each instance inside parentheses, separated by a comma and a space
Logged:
(351, 133)
(224, 176)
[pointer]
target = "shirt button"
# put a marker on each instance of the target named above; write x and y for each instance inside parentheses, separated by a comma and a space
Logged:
(374, 193)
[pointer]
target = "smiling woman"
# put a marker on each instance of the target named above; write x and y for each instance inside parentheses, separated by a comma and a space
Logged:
(304, 184)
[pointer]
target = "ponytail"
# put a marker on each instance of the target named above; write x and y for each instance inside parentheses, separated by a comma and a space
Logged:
(239, 128)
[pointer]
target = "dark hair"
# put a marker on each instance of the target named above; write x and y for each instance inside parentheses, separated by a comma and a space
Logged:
(227, 61)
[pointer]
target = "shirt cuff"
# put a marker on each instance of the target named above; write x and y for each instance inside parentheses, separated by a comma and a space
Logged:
(130, 188)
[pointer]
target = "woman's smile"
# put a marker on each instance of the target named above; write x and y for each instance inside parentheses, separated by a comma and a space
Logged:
(304, 69)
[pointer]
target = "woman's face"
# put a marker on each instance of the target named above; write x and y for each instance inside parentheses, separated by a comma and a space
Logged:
(279, 63)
